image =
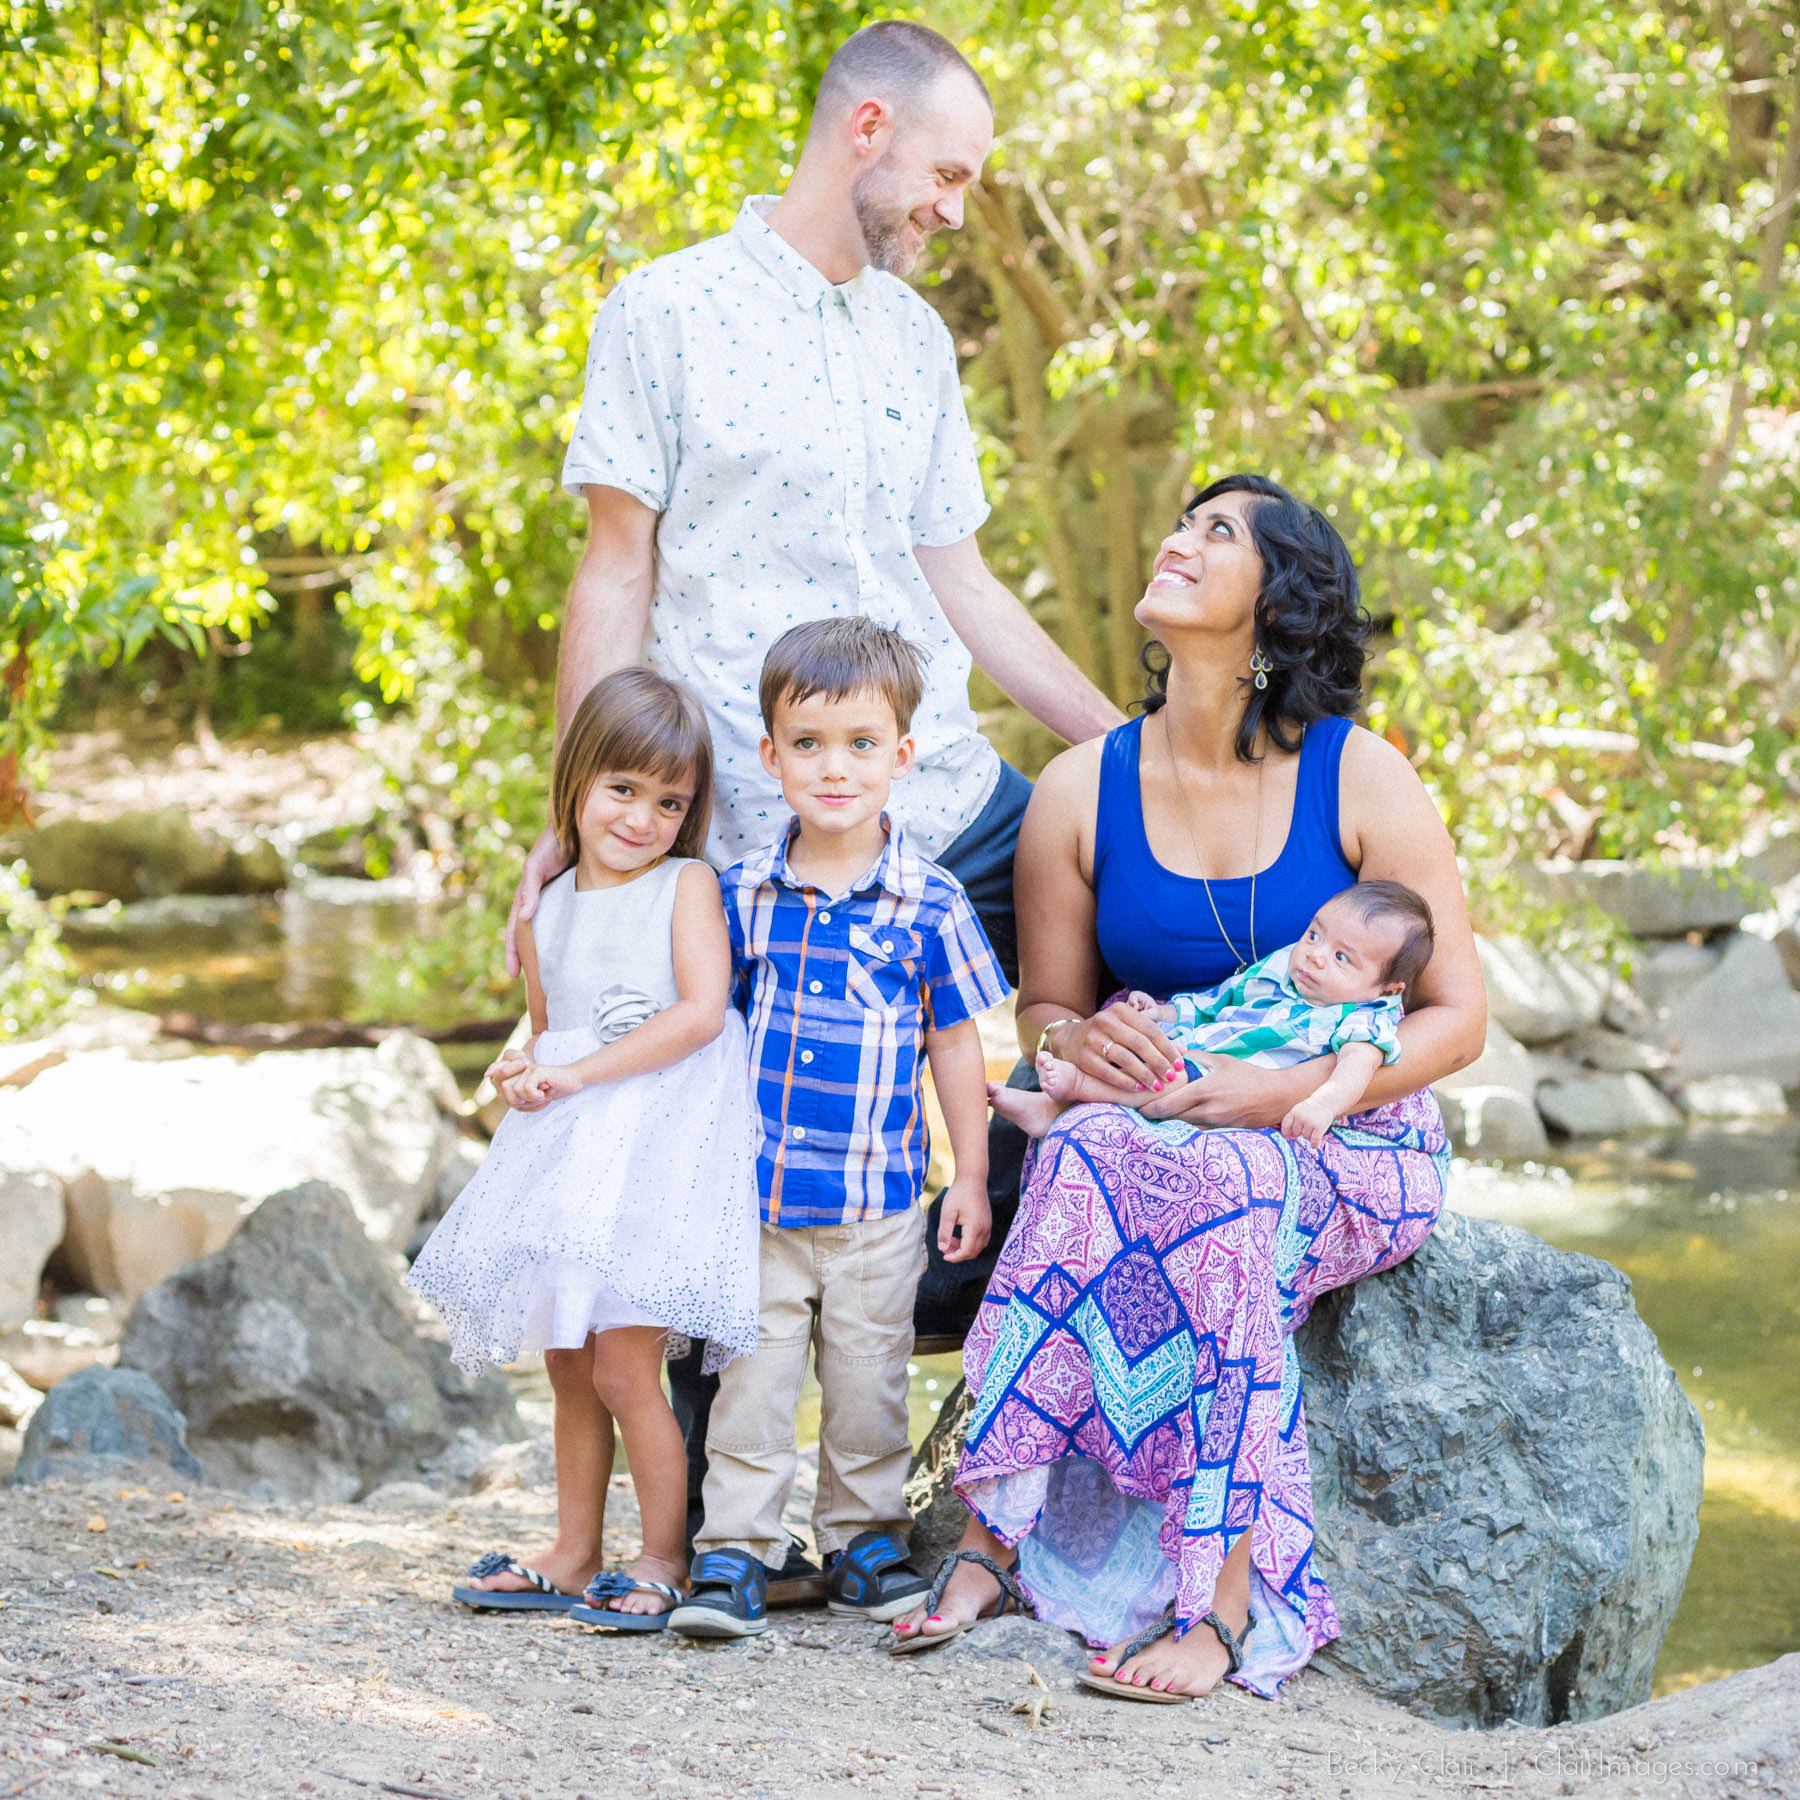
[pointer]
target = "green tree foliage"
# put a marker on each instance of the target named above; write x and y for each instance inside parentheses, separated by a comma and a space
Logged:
(294, 301)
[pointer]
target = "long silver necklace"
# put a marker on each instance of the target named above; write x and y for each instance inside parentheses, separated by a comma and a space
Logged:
(1187, 814)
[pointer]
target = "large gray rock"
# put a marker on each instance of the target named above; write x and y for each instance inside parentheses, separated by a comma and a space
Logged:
(1488, 1107)
(1648, 902)
(1506, 1479)
(140, 856)
(96, 1421)
(1605, 1105)
(1614, 1052)
(1538, 997)
(189, 1147)
(1494, 1124)
(300, 1364)
(1739, 1018)
(1732, 1097)
(32, 1216)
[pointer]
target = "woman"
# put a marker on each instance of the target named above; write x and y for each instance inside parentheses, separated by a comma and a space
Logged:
(1137, 1430)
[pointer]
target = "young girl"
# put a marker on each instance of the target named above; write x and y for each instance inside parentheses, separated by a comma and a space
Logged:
(618, 1203)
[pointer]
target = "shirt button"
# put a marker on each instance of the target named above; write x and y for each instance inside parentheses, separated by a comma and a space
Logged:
(799, 1131)
(806, 1056)
(887, 949)
(824, 918)
(815, 987)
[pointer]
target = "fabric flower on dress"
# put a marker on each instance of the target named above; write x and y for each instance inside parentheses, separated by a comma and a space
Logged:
(619, 1009)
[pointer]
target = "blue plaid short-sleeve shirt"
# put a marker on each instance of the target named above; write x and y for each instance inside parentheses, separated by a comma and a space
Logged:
(839, 993)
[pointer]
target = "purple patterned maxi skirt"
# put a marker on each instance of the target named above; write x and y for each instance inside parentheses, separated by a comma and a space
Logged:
(1138, 1396)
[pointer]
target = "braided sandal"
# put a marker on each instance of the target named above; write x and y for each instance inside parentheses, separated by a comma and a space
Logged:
(1010, 1594)
(1128, 1690)
(613, 1584)
(542, 1596)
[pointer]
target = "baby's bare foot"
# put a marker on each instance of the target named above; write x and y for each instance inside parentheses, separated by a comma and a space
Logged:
(1057, 1078)
(1034, 1114)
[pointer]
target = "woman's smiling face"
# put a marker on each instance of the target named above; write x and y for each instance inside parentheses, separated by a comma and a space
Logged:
(1208, 572)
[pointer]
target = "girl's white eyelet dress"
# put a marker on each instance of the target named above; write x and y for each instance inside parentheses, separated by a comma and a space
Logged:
(631, 1202)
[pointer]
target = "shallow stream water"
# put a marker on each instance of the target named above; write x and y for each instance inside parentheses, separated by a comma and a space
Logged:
(1706, 1224)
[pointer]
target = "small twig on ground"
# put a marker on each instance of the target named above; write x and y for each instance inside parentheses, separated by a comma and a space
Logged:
(1035, 1703)
(386, 1787)
(124, 1751)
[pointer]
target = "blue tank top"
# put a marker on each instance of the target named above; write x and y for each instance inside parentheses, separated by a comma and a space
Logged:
(1156, 929)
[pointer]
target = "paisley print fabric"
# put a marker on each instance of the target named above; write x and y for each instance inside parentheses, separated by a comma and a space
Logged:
(1134, 1365)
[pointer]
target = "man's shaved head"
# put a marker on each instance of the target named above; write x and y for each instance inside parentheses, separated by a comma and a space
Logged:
(891, 61)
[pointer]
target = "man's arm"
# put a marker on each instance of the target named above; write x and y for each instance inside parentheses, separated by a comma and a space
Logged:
(1012, 649)
(603, 630)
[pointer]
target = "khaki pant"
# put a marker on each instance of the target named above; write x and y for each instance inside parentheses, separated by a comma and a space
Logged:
(850, 1287)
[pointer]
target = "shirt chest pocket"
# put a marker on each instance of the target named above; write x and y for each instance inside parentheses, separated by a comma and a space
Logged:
(885, 967)
(901, 437)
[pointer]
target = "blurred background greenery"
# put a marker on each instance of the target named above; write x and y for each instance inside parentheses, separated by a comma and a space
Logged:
(294, 303)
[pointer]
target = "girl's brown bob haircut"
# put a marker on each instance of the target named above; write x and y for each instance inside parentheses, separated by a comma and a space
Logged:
(634, 722)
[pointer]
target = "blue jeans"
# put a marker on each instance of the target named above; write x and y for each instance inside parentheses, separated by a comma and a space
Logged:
(949, 1293)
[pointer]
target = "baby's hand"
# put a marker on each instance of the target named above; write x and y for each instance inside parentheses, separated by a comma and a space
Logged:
(1150, 1006)
(1310, 1119)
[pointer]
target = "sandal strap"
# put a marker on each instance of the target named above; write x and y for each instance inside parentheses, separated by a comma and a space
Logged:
(1145, 1638)
(615, 1584)
(1234, 1645)
(497, 1562)
(1009, 1586)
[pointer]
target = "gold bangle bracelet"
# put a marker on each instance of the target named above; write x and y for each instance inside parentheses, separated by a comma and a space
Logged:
(1043, 1042)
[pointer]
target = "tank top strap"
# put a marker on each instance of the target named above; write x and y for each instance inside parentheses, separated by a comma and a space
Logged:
(1119, 814)
(1316, 820)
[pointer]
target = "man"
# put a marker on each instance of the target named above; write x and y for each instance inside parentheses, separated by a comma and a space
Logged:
(773, 431)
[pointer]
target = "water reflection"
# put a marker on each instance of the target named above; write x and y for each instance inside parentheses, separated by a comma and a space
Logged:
(1707, 1225)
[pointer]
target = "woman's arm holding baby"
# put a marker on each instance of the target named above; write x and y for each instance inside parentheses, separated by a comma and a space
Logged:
(702, 949)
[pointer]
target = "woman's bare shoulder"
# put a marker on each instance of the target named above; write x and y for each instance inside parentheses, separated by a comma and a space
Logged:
(1073, 773)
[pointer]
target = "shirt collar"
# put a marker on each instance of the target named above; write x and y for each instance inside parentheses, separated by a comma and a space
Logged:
(775, 256)
(897, 868)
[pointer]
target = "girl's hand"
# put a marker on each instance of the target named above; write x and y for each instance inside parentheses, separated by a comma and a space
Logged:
(535, 1086)
(1120, 1047)
(1237, 1094)
(508, 1064)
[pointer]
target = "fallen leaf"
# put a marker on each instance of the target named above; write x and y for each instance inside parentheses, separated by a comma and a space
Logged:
(125, 1751)
(96, 1523)
(176, 1499)
(143, 1562)
(111, 1574)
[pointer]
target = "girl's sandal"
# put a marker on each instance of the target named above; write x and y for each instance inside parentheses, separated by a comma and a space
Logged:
(1129, 1690)
(613, 1584)
(1010, 1594)
(542, 1596)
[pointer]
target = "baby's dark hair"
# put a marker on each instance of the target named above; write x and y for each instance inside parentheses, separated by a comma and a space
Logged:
(1375, 900)
(840, 657)
(633, 722)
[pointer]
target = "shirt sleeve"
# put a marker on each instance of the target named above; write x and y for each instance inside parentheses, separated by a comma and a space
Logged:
(1377, 1023)
(962, 974)
(950, 504)
(625, 434)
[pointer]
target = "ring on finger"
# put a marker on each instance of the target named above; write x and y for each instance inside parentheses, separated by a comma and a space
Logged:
(1106, 1050)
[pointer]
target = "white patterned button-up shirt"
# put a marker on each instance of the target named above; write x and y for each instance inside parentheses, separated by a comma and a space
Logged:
(798, 439)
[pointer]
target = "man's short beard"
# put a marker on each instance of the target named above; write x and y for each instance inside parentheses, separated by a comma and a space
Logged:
(883, 231)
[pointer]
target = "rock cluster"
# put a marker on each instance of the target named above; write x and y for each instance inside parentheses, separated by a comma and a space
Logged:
(144, 855)
(1708, 1027)
(302, 1366)
(91, 1423)
(1506, 1480)
(132, 1156)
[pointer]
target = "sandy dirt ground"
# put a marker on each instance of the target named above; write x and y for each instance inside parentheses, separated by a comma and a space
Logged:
(159, 1642)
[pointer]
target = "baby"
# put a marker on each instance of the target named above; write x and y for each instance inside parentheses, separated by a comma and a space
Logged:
(1338, 989)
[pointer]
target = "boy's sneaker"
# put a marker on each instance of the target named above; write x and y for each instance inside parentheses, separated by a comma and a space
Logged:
(872, 1578)
(798, 1582)
(727, 1597)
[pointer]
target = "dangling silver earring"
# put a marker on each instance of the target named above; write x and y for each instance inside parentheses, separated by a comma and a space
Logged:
(1260, 668)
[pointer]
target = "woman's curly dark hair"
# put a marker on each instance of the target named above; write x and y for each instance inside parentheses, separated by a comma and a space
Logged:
(1310, 622)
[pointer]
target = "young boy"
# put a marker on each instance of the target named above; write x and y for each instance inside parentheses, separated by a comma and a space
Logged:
(853, 955)
(1338, 989)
